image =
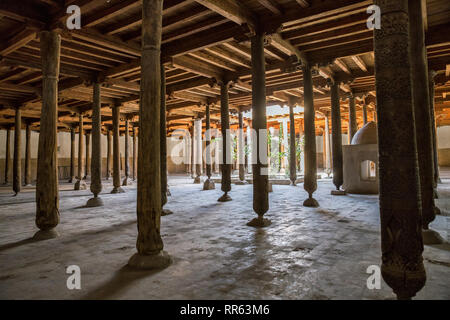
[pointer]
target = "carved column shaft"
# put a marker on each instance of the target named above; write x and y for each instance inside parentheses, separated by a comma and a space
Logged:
(433, 131)
(422, 115)
(241, 154)
(108, 153)
(401, 238)
(336, 131)
(127, 151)
(226, 145)
(17, 163)
(134, 152)
(72, 154)
(87, 172)
(353, 125)
(163, 134)
(80, 148)
(96, 162)
(292, 149)
(149, 240)
(310, 183)
(28, 155)
(47, 199)
(259, 123)
(208, 142)
(116, 147)
(8, 154)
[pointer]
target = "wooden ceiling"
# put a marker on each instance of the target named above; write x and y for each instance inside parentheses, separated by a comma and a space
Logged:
(203, 42)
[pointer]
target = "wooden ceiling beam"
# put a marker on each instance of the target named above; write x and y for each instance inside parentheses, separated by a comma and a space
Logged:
(273, 6)
(232, 10)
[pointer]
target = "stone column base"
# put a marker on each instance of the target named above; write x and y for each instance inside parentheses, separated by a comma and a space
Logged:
(209, 185)
(160, 260)
(259, 222)
(338, 192)
(80, 185)
(224, 198)
(45, 234)
(94, 202)
(311, 202)
(118, 190)
(431, 237)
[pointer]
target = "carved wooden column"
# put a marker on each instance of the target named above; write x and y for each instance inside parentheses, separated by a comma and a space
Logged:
(241, 152)
(8, 154)
(149, 244)
(422, 118)
(327, 164)
(80, 184)
(134, 153)
(126, 180)
(108, 152)
(17, 162)
(198, 149)
(116, 149)
(259, 123)
(352, 125)
(47, 199)
(192, 139)
(72, 154)
(96, 162)
(364, 111)
(436, 178)
(336, 132)
(87, 171)
(292, 148)
(310, 183)
(226, 142)
(401, 238)
(208, 184)
(27, 154)
(163, 145)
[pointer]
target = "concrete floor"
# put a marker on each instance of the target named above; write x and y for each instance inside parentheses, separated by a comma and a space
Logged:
(306, 253)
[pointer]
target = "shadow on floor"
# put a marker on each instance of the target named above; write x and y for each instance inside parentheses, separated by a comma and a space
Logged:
(16, 244)
(122, 279)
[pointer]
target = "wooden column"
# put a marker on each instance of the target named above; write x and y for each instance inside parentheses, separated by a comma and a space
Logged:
(116, 149)
(27, 154)
(327, 164)
(364, 111)
(87, 171)
(126, 180)
(108, 152)
(163, 144)
(198, 149)
(80, 184)
(47, 199)
(241, 153)
(226, 142)
(292, 148)
(208, 184)
(401, 238)
(310, 183)
(192, 138)
(17, 163)
(259, 124)
(422, 116)
(134, 153)
(336, 132)
(72, 154)
(436, 178)
(96, 163)
(149, 243)
(8, 154)
(352, 125)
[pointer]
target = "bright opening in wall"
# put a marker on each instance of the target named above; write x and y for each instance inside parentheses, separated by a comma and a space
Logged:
(368, 170)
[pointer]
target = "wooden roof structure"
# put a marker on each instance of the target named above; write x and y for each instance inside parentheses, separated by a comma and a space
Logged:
(203, 42)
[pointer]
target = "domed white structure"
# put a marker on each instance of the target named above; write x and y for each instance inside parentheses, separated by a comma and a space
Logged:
(361, 161)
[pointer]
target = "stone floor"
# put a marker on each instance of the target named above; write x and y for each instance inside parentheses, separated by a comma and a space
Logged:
(306, 253)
